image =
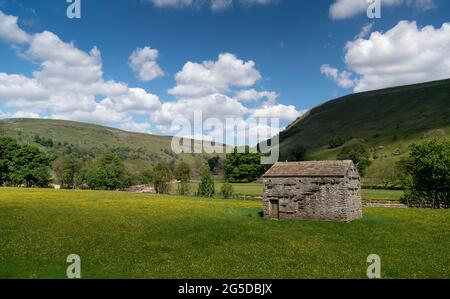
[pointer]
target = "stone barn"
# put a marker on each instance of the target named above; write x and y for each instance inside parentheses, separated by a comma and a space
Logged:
(313, 190)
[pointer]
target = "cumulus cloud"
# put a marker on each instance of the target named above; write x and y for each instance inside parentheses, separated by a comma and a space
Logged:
(143, 62)
(343, 9)
(215, 5)
(68, 83)
(221, 4)
(208, 77)
(254, 95)
(365, 30)
(343, 79)
(403, 55)
(10, 31)
(215, 89)
(280, 111)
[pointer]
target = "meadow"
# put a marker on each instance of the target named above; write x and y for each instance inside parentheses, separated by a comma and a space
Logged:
(256, 190)
(123, 235)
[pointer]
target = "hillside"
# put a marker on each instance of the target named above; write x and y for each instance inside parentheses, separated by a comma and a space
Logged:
(389, 120)
(88, 140)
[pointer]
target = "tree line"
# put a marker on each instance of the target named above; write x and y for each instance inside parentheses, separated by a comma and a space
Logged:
(425, 175)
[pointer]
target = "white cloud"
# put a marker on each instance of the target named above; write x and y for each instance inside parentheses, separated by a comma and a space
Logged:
(69, 84)
(221, 4)
(343, 79)
(280, 111)
(132, 126)
(343, 9)
(365, 30)
(211, 106)
(215, 5)
(208, 77)
(254, 95)
(143, 62)
(10, 31)
(403, 55)
(214, 88)
(172, 3)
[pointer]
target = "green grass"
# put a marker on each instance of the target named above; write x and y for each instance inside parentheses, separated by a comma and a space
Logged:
(369, 194)
(122, 235)
(247, 189)
(87, 140)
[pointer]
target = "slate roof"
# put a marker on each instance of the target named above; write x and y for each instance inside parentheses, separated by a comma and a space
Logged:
(309, 169)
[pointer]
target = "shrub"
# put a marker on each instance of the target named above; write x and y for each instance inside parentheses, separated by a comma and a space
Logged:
(213, 163)
(427, 183)
(162, 175)
(335, 142)
(227, 190)
(183, 188)
(106, 173)
(206, 187)
(357, 151)
(298, 154)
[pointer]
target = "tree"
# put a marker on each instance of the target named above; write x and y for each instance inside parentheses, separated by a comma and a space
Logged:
(428, 175)
(213, 163)
(8, 147)
(226, 190)
(298, 154)
(206, 187)
(23, 164)
(147, 175)
(183, 174)
(162, 175)
(335, 142)
(243, 167)
(357, 151)
(107, 173)
(67, 170)
(29, 166)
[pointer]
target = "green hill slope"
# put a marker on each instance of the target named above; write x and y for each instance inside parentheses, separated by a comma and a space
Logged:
(88, 140)
(389, 120)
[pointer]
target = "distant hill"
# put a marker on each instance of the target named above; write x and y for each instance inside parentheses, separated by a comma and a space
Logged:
(389, 120)
(88, 140)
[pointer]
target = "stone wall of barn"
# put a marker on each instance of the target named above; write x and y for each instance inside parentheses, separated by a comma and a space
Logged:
(353, 189)
(313, 198)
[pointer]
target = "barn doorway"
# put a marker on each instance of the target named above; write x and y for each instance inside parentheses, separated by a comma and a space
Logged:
(274, 209)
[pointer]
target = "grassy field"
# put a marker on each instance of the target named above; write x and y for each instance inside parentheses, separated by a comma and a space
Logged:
(122, 235)
(256, 190)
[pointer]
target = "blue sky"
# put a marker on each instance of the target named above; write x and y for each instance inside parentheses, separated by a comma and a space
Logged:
(298, 49)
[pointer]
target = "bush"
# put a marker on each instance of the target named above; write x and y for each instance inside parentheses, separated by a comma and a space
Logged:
(107, 173)
(213, 163)
(162, 175)
(335, 142)
(357, 151)
(298, 154)
(183, 189)
(226, 191)
(206, 187)
(183, 172)
(427, 183)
